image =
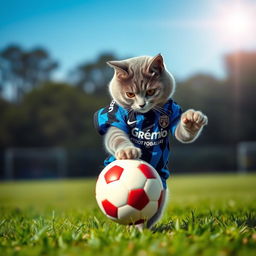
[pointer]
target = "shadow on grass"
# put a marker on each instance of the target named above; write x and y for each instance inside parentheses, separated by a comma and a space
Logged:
(248, 220)
(201, 223)
(168, 227)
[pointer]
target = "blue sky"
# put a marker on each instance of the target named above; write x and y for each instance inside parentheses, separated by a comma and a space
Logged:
(185, 32)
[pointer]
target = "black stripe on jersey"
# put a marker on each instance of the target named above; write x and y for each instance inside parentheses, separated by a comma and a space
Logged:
(169, 108)
(149, 118)
(162, 161)
(131, 118)
(165, 144)
(111, 111)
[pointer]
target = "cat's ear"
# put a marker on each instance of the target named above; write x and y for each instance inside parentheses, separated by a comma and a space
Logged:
(156, 65)
(121, 68)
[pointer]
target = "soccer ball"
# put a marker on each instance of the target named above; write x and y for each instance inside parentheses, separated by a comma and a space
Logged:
(129, 191)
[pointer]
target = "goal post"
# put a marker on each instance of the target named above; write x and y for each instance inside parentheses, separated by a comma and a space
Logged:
(35, 163)
(246, 156)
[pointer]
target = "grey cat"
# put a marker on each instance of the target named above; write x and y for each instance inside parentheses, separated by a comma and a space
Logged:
(142, 114)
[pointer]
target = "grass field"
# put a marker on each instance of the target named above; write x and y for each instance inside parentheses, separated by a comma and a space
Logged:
(207, 215)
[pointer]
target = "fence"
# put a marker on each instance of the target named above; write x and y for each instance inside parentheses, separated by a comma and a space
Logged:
(36, 163)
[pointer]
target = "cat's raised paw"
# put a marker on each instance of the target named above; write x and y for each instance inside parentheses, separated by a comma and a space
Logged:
(193, 120)
(128, 153)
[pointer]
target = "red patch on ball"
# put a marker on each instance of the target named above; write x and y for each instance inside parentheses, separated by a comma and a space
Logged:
(109, 208)
(137, 198)
(113, 174)
(147, 171)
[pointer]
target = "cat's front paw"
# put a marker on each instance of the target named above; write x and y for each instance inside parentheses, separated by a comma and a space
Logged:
(193, 120)
(128, 153)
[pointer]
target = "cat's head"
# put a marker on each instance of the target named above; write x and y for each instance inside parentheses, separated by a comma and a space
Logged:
(141, 83)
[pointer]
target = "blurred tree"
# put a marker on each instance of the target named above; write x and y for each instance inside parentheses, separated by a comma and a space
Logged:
(242, 66)
(53, 114)
(4, 132)
(93, 77)
(24, 70)
(241, 69)
(211, 96)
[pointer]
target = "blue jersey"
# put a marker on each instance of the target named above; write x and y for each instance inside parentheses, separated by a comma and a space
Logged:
(149, 131)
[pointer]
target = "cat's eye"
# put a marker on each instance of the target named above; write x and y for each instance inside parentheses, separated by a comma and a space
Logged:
(151, 92)
(130, 94)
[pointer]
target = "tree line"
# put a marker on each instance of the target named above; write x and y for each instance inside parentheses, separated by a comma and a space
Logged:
(46, 113)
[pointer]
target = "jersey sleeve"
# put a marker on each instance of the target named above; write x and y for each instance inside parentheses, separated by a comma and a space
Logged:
(175, 117)
(112, 115)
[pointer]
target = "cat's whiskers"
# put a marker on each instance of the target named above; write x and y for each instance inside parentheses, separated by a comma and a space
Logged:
(131, 111)
(160, 110)
(166, 111)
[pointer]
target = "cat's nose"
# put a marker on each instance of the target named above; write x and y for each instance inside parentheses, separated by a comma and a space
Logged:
(143, 105)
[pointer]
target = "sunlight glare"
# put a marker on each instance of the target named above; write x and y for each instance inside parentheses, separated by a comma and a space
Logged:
(237, 24)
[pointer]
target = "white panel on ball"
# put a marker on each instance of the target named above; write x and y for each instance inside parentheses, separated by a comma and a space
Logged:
(133, 178)
(129, 164)
(153, 189)
(99, 201)
(127, 214)
(100, 186)
(149, 210)
(116, 193)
